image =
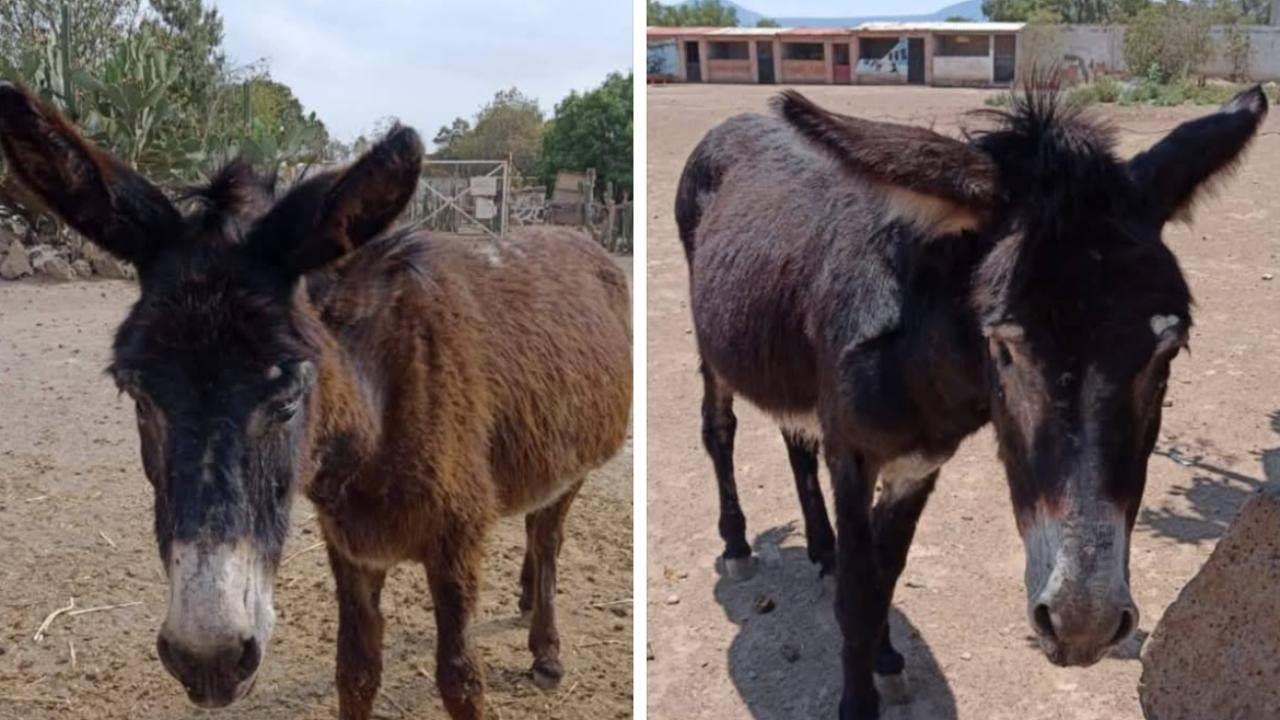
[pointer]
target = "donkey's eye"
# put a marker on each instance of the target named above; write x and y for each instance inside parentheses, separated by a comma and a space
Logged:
(1003, 356)
(1002, 339)
(283, 411)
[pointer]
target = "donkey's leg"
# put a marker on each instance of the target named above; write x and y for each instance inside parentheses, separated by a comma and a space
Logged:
(893, 520)
(820, 538)
(359, 672)
(526, 571)
(453, 572)
(544, 542)
(860, 606)
(718, 427)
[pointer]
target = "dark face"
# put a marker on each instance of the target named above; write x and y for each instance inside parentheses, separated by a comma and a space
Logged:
(221, 373)
(221, 355)
(1079, 359)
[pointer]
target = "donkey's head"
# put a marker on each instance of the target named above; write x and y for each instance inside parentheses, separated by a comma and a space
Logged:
(1083, 309)
(220, 354)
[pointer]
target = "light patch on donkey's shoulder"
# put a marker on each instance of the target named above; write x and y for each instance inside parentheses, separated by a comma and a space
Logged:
(1162, 323)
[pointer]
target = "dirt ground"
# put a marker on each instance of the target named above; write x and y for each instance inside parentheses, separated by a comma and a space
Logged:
(959, 615)
(75, 521)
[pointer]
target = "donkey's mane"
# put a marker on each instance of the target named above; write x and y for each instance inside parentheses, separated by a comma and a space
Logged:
(1067, 240)
(1051, 151)
(230, 197)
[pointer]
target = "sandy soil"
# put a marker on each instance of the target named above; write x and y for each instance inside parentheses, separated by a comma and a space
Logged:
(75, 521)
(959, 613)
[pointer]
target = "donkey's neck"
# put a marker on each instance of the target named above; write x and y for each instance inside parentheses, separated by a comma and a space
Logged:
(347, 427)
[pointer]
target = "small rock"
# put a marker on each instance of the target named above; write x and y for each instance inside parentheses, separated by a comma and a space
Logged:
(966, 655)
(649, 654)
(764, 604)
(673, 599)
(82, 267)
(790, 653)
(16, 263)
(1268, 276)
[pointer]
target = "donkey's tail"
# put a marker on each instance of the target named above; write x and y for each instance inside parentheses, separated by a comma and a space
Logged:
(700, 179)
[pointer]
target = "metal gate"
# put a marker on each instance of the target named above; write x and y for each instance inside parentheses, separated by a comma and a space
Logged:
(463, 196)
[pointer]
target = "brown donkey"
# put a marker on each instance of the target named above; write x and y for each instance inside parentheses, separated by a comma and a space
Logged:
(415, 388)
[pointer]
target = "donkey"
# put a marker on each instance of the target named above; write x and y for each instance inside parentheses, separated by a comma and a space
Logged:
(414, 388)
(884, 291)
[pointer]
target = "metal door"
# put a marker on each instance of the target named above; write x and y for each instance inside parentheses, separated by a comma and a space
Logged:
(692, 63)
(764, 58)
(915, 61)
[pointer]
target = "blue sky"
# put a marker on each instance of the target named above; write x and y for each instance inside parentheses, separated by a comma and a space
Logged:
(426, 62)
(847, 8)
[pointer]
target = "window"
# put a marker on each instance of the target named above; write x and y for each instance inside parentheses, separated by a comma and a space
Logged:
(877, 48)
(963, 45)
(803, 51)
(728, 51)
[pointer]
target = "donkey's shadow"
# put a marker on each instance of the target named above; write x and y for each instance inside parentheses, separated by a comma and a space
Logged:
(785, 659)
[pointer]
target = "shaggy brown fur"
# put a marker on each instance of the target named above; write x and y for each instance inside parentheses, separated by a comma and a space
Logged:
(505, 366)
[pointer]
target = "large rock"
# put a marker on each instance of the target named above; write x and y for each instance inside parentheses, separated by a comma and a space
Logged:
(16, 264)
(82, 267)
(1216, 652)
(106, 264)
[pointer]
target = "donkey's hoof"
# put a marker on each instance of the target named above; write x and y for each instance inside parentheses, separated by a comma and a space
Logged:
(547, 674)
(894, 689)
(738, 569)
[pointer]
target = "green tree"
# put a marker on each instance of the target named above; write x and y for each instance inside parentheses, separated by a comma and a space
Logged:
(1064, 11)
(767, 23)
(593, 130)
(96, 27)
(699, 13)
(510, 124)
(1168, 40)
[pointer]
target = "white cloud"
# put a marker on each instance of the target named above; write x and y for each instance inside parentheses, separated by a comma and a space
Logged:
(426, 62)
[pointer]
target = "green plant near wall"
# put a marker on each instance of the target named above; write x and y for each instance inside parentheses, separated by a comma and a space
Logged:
(125, 107)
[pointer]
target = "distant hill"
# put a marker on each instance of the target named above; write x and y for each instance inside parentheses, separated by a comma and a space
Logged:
(971, 9)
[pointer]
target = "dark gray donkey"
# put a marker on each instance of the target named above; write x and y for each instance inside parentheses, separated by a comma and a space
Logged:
(885, 291)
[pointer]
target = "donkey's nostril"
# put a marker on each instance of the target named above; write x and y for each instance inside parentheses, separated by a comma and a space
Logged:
(1128, 619)
(1043, 621)
(250, 657)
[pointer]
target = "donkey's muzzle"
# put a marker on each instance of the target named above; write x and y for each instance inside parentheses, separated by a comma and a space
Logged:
(213, 677)
(1079, 630)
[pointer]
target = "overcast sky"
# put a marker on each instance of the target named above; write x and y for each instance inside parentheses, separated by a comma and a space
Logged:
(426, 62)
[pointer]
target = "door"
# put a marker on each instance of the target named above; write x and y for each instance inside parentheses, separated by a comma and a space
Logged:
(692, 64)
(1006, 52)
(842, 70)
(915, 61)
(764, 58)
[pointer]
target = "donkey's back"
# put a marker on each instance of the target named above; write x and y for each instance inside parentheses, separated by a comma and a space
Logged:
(523, 343)
(774, 232)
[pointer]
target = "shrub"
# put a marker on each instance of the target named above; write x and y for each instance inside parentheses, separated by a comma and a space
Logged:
(1170, 39)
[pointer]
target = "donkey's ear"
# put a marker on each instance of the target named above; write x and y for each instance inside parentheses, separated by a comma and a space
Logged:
(938, 183)
(94, 193)
(327, 216)
(1196, 154)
